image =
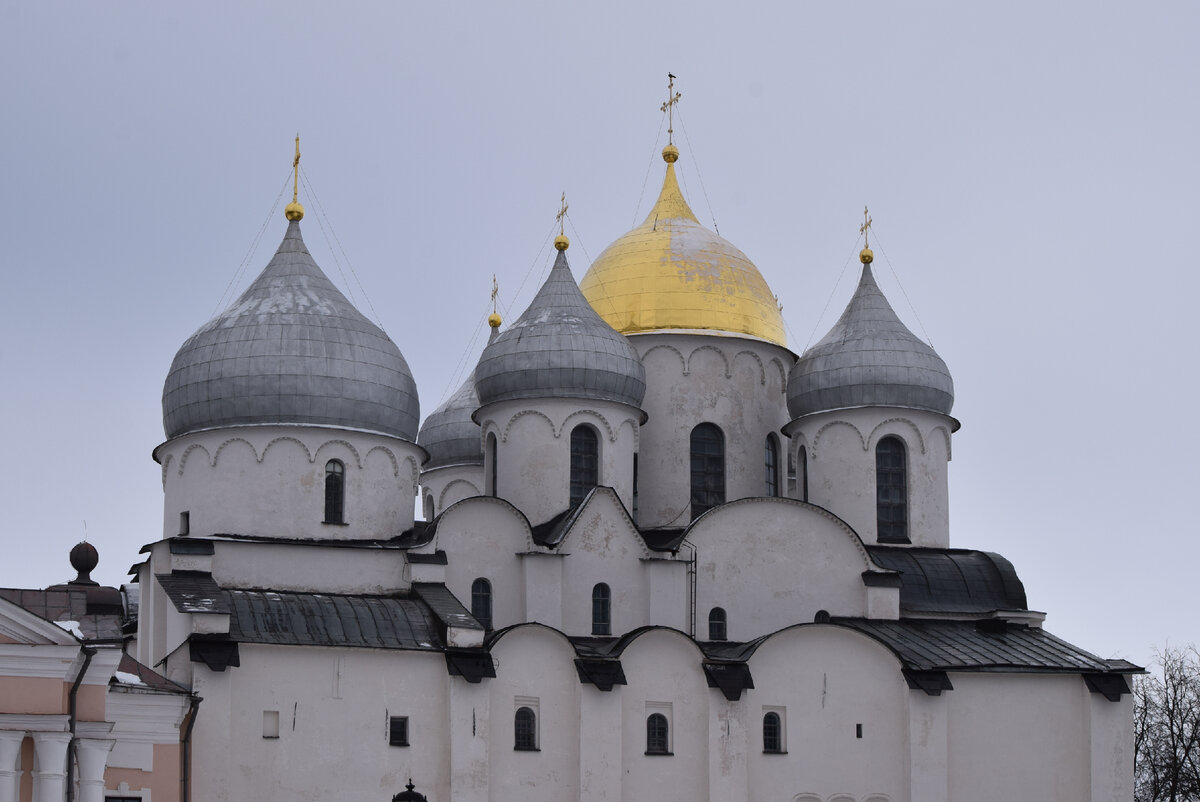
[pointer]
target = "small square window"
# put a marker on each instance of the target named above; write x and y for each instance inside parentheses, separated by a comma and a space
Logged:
(398, 731)
(270, 723)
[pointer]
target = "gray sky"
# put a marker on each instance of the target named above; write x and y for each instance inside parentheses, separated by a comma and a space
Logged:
(1031, 169)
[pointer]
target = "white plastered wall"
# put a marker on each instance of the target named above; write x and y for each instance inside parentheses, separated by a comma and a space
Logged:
(770, 563)
(533, 450)
(737, 384)
(840, 448)
(448, 485)
(270, 481)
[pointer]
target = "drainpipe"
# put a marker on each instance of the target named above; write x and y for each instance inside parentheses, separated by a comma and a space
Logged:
(185, 779)
(88, 652)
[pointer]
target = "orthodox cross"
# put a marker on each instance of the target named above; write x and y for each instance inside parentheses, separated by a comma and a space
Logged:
(495, 292)
(562, 212)
(865, 227)
(296, 171)
(669, 107)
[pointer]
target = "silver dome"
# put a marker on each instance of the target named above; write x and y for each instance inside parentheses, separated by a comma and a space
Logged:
(291, 349)
(449, 435)
(560, 348)
(869, 359)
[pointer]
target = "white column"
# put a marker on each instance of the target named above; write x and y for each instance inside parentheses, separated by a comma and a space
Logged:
(469, 727)
(49, 781)
(10, 763)
(600, 744)
(928, 746)
(728, 745)
(92, 756)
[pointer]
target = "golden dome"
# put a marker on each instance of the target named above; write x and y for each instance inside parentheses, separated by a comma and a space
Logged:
(494, 320)
(561, 243)
(673, 273)
(866, 256)
(293, 211)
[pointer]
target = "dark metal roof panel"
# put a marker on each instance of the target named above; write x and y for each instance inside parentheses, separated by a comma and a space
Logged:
(962, 646)
(445, 605)
(316, 619)
(194, 592)
(952, 580)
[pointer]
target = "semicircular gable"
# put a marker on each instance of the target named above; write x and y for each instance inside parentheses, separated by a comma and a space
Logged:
(477, 517)
(771, 562)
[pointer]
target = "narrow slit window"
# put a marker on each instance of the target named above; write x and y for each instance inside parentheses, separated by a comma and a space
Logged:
(481, 602)
(525, 730)
(601, 610)
(771, 464)
(585, 462)
(772, 733)
(491, 461)
(717, 622)
(335, 492)
(891, 490)
(708, 468)
(802, 473)
(657, 735)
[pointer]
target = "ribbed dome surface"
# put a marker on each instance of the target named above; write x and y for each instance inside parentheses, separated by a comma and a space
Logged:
(291, 349)
(673, 273)
(449, 435)
(560, 348)
(869, 358)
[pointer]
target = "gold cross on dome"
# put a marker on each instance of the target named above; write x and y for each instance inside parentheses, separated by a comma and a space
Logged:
(296, 171)
(669, 107)
(865, 227)
(495, 292)
(562, 212)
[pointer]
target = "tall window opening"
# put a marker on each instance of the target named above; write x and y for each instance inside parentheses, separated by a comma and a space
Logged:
(601, 610)
(891, 490)
(771, 464)
(802, 473)
(481, 602)
(635, 487)
(717, 624)
(335, 492)
(525, 730)
(708, 468)
(657, 735)
(772, 733)
(491, 461)
(585, 462)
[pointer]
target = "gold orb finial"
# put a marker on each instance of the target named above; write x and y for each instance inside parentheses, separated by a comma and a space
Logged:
(866, 256)
(294, 211)
(561, 243)
(670, 154)
(494, 320)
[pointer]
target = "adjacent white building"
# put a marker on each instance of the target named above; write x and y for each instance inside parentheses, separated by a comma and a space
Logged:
(663, 558)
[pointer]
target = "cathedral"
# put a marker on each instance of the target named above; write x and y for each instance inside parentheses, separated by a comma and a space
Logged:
(662, 557)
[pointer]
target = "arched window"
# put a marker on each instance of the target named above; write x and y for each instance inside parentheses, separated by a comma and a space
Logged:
(708, 468)
(525, 730)
(772, 733)
(585, 462)
(802, 473)
(481, 602)
(601, 610)
(716, 624)
(491, 461)
(429, 506)
(657, 742)
(891, 490)
(335, 492)
(771, 463)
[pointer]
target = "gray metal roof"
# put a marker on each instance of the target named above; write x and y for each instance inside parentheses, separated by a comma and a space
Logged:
(560, 348)
(963, 646)
(869, 358)
(291, 349)
(194, 592)
(449, 435)
(952, 580)
(318, 619)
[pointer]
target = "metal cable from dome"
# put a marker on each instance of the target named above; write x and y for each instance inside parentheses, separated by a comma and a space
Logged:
(241, 268)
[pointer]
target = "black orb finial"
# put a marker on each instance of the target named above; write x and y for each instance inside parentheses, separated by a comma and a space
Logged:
(84, 559)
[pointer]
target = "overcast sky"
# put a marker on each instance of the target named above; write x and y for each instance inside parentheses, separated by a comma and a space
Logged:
(1031, 169)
